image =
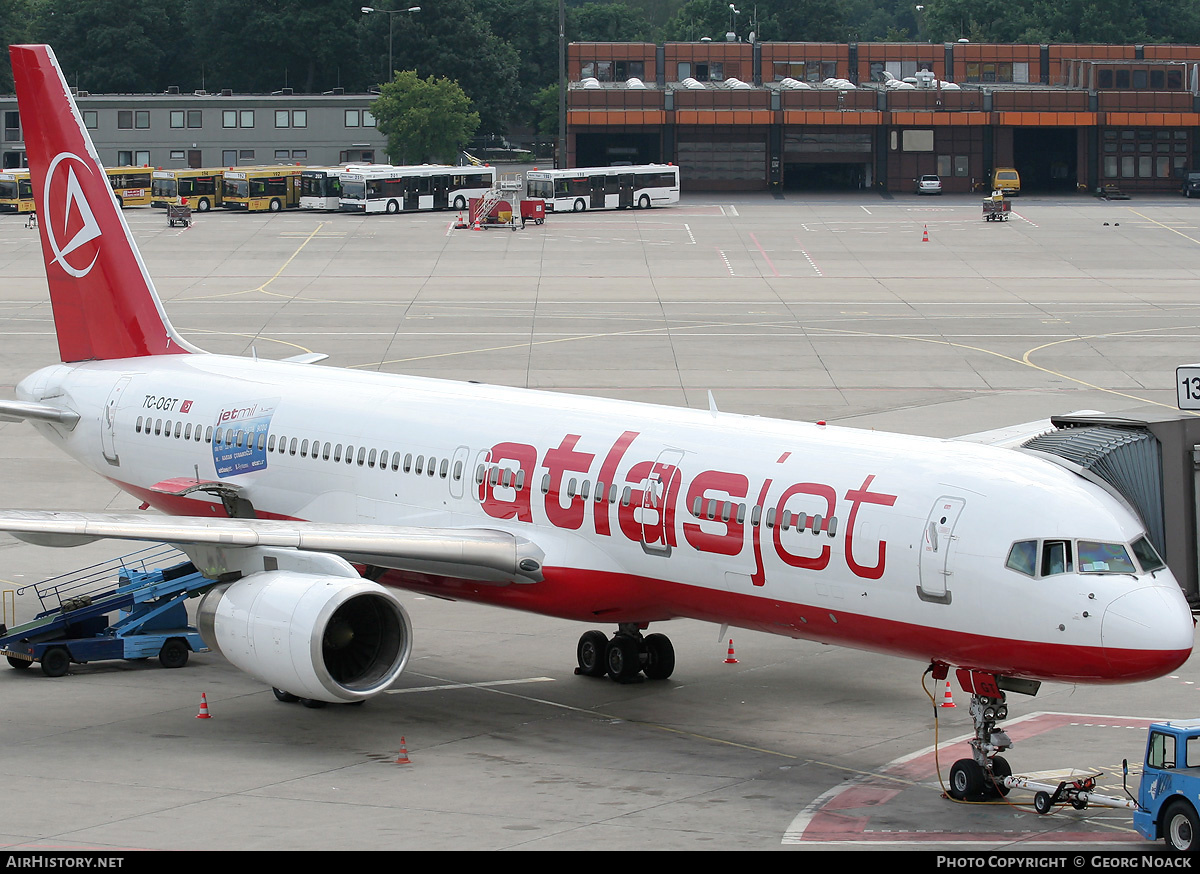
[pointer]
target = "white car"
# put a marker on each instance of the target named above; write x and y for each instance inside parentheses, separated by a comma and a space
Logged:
(929, 185)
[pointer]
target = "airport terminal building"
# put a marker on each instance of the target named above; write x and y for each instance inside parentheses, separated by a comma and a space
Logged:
(765, 116)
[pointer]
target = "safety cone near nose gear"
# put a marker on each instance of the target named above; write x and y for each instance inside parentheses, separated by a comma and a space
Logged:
(729, 659)
(403, 759)
(947, 699)
(925, 235)
(203, 714)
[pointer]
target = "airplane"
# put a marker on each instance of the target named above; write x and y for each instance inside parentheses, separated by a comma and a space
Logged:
(309, 494)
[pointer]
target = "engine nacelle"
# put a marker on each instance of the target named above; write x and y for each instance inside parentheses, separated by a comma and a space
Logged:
(326, 638)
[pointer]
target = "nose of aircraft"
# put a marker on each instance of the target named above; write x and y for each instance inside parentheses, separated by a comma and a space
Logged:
(1148, 632)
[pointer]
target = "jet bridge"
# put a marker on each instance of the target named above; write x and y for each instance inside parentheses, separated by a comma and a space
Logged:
(1150, 458)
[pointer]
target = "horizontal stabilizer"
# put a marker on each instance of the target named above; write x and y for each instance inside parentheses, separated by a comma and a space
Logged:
(471, 553)
(21, 411)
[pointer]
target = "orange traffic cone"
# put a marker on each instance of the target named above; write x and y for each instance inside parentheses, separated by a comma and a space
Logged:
(203, 714)
(925, 235)
(948, 699)
(729, 659)
(403, 759)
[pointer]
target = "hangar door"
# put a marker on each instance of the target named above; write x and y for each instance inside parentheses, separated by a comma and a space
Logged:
(827, 158)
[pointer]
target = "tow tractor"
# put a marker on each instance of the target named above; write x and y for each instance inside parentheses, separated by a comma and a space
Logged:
(1168, 795)
(150, 603)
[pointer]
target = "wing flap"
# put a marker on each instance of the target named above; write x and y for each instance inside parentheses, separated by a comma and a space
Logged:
(472, 553)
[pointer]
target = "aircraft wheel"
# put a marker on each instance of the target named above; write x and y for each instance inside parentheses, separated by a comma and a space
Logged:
(591, 654)
(174, 653)
(966, 781)
(1042, 803)
(623, 658)
(660, 657)
(285, 697)
(56, 661)
(313, 703)
(1181, 827)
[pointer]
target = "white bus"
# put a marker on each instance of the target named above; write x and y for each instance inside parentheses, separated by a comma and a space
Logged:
(579, 188)
(321, 187)
(407, 189)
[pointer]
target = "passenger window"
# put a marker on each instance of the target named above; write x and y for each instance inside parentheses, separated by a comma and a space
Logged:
(138, 427)
(1022, 557)
(445, 468)
(1056, 557)
(304, 448)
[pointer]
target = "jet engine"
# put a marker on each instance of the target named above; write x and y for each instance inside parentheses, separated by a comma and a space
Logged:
(322, 638)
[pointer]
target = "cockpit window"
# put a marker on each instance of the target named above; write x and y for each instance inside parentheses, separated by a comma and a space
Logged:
(1146, 554)
(1023, 557)
(1104, 558)
(1056, 557)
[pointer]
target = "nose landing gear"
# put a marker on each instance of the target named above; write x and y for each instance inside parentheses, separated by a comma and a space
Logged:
(626, 655)
(981, 777)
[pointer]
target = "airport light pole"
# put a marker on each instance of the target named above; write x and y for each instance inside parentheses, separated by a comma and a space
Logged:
(367, 10)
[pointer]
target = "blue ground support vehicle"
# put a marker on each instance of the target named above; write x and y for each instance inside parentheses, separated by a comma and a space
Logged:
(150, 604)
(1169, 794)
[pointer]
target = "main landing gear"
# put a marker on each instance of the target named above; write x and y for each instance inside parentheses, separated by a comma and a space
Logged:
(626, 655)
(981, 777)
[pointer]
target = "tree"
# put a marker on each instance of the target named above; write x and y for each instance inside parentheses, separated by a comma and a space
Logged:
(451, 39)
(424, 119)
(108, 45)
(14, 24)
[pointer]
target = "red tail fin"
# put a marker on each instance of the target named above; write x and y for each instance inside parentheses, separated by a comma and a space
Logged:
(104, 303)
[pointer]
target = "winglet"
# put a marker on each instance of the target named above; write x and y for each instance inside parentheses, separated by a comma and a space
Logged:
(105, 305)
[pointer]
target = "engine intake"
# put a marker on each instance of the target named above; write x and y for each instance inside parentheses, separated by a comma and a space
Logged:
(326, 638)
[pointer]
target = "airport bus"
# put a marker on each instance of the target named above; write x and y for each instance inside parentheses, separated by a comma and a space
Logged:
(201, 188)
(407, 189)
(16, 191)
(261, 188)
(131, 185)
(321, 187)
(581, 188)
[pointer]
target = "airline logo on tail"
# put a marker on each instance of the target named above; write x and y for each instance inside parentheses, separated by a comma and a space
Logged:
(77, 223)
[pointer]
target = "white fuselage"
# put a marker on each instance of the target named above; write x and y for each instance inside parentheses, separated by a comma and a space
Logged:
(879, 541)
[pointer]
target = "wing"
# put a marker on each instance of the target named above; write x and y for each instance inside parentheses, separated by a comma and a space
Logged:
(1012, 436)
(481, 554)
